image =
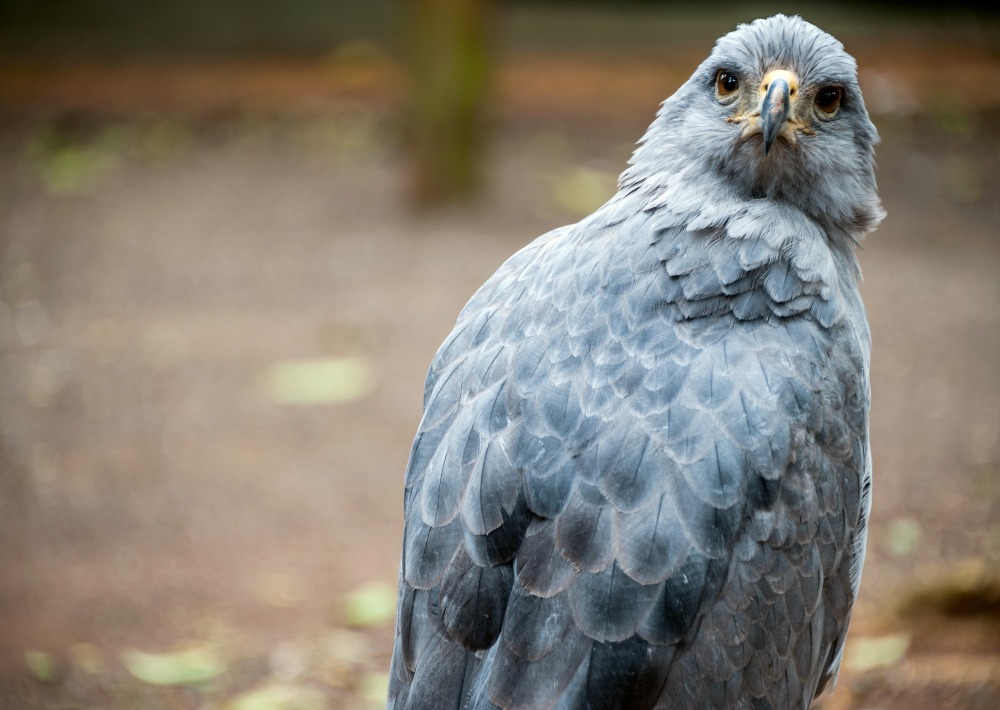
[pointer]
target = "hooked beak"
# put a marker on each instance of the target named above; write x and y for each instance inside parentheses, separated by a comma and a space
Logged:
(776, 106)
(774, 116)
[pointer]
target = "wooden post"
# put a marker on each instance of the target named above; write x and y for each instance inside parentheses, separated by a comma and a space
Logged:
(449, 66)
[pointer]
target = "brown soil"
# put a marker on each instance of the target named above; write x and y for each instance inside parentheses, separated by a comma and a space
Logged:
(160, 251)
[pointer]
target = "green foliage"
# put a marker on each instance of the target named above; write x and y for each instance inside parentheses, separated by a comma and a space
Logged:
(118, 28)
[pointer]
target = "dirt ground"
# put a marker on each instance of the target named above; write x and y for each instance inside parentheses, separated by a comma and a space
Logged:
(158, 492)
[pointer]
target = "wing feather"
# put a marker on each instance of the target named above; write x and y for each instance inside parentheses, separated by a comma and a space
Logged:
(642, 466)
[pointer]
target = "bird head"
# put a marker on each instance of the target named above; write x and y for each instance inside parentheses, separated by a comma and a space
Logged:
(775, 112)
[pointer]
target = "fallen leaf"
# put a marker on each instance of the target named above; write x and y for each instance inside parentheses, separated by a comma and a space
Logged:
(69, 166)
(903, 536)
(319, 381)
(865, 654)
(281, 696)
(41, 665)
(194, 665)
(371, 605)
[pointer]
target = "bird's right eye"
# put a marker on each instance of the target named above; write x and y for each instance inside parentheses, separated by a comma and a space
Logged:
(828, 99)
(726, 83)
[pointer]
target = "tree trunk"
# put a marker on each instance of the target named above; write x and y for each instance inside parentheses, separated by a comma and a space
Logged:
(449, 67)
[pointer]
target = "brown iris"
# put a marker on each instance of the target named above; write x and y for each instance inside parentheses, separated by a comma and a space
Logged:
(726, 82)
(828, 99)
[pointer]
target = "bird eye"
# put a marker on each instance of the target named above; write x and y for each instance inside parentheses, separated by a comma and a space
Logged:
(828, 99)
(726, 82)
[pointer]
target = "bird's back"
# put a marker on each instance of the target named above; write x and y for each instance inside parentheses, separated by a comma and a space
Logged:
(641, 476)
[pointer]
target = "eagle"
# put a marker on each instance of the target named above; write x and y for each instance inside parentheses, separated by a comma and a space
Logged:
(642, 477)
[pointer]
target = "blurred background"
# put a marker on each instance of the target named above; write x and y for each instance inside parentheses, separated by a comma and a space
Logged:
(233, 234)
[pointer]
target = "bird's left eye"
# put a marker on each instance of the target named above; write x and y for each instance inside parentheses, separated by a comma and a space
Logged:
(726, 82)
(828, 99)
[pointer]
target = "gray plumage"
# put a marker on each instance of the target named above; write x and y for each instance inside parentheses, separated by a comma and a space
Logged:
(642, 476)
